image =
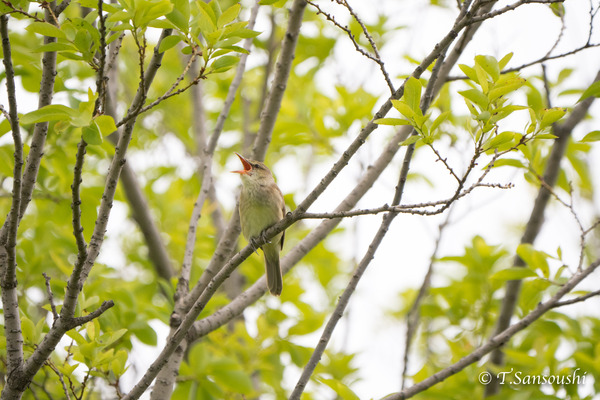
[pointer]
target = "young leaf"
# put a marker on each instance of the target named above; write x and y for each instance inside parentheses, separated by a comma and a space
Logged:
(490, 65)
(504, 61)
(508, 86)
(180, 15)
(412, 139)
(91, 134)
(477, 97)
(499, 140)
(593, 136)
(106, 124)
(403, 108)
(441, 118)
(550, 116)
(513, 273)
(52, 112)
(412, 94)
(222, 64)
(593, 90)
(392, 121)
(229, 15)
(469, 72)
(534, 258)
(45, 29)
(168, 42)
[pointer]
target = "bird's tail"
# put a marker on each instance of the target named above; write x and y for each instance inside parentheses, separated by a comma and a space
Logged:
(274, 278)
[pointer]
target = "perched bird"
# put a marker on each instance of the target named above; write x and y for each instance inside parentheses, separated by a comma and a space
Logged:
(262, 205)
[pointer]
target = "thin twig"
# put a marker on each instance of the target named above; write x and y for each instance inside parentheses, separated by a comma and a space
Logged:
(412, 317)
(258, 288)
(76, 203)
(50, 296)
(497, 340)
(387, 219)
(60, 378)
(376, 58)
(576, 299)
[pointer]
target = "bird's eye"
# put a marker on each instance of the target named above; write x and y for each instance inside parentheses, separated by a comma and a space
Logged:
(257, 166)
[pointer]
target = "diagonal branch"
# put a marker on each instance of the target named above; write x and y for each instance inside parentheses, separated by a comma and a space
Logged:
(344, 299)
(66, 320)
(258, 288)
(497, 340)
(533, 227)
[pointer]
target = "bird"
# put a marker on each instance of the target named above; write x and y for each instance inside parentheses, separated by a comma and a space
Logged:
(262, 205)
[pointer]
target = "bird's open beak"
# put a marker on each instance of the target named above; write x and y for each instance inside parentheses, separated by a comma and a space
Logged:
(245, 163)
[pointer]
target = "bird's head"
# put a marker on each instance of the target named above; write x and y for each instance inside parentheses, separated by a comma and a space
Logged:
(254, 171)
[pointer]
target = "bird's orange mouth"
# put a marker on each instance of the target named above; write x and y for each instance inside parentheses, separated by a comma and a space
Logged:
(246, 164)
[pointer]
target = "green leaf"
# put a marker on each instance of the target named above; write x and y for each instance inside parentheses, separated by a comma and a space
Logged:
(76, 336)
(243, 33)
(482, 77)
(392, 121)
(412, 139)
(106, 124)
(513, 273)
(168, 42)
(229, 15)
(477, 97)
(144, 333)
(91, 134)
(510, 162)
(504, 61)
(4, 127)
(550, 116)
(593, 90)
(412, 94)
(593, 136)
(469, 72)
(28, 330)
(535, 259)
(122, 15)
(490, 65)
(510, 85)
(45, 29)
(180, 15)
(546, 136)
(206, 19)
(403, 108)
(52, 112)
(342, 390)
(438, 121)
(224, 63)
(499, 140)
(54, 46)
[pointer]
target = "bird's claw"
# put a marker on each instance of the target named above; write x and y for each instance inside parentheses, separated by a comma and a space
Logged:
(264, 237)
(252, 242)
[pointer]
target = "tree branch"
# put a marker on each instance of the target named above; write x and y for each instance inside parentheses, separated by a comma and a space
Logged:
(412, 317)
(536, 218)
(282, 74)
(387, 219)
(256, 290)
(8, 260)
(497, 340)
(36, 148)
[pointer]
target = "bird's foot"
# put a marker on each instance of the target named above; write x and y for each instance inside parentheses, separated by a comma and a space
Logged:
(252, 243)
(264, 236)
